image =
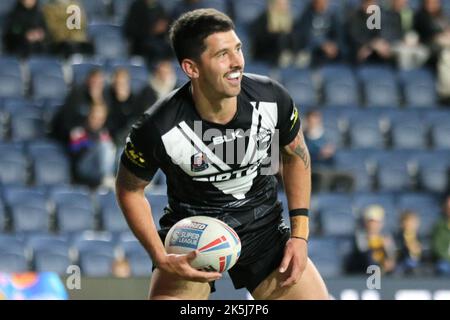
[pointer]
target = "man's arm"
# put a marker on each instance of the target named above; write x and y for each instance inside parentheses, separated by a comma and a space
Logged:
(136, 208)
(297, 184)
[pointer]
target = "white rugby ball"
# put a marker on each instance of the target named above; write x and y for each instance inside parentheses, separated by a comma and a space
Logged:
(218, 244)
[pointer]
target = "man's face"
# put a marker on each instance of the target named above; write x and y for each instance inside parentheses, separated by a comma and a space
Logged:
(221, 65)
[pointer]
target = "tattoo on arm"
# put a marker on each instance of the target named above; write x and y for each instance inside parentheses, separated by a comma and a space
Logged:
(297, 148)
(129, 181)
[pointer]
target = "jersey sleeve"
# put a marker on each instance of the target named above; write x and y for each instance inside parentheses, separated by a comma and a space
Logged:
(288, 116)
(139, 153)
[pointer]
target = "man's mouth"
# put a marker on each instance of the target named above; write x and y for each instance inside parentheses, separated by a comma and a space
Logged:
(234, 75)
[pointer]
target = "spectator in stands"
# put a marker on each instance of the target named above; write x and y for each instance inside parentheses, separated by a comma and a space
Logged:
(272, 34)
(366, 44)
(408, 244)
(162, 80)
(433, 27)
(121, 268)
(76, 107)
(322, 152)
(120, 102)
(398, 23)
(92, 149)
(371, 246)
(441, 241)
(316, 33)
(146, 28)
(66, 41)
(25, 31)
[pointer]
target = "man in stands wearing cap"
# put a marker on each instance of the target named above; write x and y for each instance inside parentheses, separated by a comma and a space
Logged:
(371, 245)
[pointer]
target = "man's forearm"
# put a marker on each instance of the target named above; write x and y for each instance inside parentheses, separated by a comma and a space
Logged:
(137, 212)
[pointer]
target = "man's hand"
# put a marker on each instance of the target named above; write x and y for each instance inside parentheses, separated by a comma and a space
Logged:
(179, 264)
(294, 261)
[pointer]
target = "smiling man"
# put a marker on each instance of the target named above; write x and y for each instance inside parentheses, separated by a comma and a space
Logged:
(190, 135)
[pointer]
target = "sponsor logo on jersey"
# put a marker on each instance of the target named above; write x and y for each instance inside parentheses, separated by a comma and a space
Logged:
(198, 162)
(224, 176)
(294, 117)
(133, 155)
(230, 136)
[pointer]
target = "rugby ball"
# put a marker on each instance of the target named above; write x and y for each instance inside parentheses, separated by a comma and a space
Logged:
(218, 244)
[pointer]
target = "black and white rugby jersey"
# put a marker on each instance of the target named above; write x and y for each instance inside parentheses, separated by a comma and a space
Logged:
(213, 169)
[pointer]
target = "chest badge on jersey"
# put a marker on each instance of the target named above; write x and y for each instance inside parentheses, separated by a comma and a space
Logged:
(198, 162)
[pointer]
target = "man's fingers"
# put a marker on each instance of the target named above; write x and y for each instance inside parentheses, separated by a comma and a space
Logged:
(293, 277)
(192, 255)
(285, 262)
(203, 276)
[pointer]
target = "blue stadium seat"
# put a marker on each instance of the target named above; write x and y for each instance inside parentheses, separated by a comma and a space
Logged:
(48, 87)
(425, 205)
(27, 125)
(111, 215)
(14, 105)
(138, 258)
(2, 217)
(247, 11)
(96, 10)
(50, 253)
(354, 162)
(408, 134)
(379, 85)
(77, 196)
(325, 201)
(120, 9)
(51, 169)
(95, 257)
(300, 85)
(324, 253)
(5, 7)
(440, 132)
(365, 131)
(260, 68)
(337, 221)
(12, 255)
(29, 218)
(393, 172)
(108, 40)
(11, 82)
(157, 202)
(216, 4)
(37, 148)
(339, 84)
(432, 170)
(71, 219)
(13, 165)
(419, 88)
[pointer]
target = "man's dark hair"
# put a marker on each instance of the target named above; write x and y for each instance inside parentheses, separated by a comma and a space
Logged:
(188, 32)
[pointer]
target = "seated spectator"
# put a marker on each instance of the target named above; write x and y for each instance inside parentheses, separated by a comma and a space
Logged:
(366, 44)
(146, 27)
(76, 107)
(433, 27)
(25, 31)
(162, 81)
(121, 268)
(371, 246)
(322, 153)
(408, 244)
(66, 41)
(316, 33)
(120, 102)
(398, 23)
(272, 34)
(441, 241)
(92, 149)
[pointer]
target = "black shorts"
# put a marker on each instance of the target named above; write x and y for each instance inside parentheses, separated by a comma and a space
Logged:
(261, 253)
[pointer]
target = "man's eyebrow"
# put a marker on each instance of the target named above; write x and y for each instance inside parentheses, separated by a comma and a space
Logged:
(239, 44)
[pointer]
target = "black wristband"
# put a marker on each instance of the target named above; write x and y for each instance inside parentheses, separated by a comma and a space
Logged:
(299, 212)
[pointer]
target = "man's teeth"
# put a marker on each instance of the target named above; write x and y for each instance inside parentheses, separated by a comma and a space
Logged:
(234, 75)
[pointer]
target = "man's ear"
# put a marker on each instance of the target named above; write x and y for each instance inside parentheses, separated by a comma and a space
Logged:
(190, 68)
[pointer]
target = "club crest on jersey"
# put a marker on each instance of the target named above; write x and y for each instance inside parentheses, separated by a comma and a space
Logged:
(198, 162)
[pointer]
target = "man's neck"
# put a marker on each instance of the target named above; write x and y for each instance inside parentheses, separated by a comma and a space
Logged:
(215, 110)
